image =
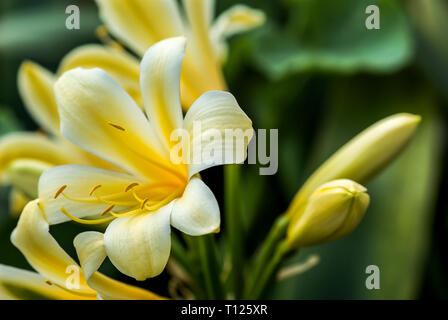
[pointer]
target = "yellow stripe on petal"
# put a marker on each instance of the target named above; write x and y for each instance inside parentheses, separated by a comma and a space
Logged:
(33, 239)
(36, 89)
(90, 101)
(160, 86)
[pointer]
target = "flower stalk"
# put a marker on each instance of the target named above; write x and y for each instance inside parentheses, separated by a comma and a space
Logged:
(233, 219)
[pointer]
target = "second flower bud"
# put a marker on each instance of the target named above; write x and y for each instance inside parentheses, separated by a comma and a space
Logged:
(333, 210)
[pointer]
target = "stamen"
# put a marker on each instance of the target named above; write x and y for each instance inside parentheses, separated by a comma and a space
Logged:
(70, 291)
(116, 126)
(144, 203)
(125, 214)
(60, 191)
(83, 221)
(167, 200)
(129, 187)
(94, 188)
(116, 203)
(136, 196)
(104, 37)
(101, 32)
(108, 209)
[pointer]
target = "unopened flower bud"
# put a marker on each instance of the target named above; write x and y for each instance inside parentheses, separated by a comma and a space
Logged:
(364, 156)
(333, 210)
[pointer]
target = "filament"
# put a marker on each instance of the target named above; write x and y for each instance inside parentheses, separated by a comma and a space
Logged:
(167, 200)
(84, 221)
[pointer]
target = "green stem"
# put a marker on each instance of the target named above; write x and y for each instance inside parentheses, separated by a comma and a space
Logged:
(234, 226)
(270, 271)
(210, 267)
(180, 254)
(268, 248)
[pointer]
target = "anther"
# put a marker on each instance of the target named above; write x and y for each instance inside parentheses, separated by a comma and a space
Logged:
(101, 32)
(108, 209)
(60, 191)
(116, 126)
(129, 187)
(144, 203)
(48, 282)
(94, 188)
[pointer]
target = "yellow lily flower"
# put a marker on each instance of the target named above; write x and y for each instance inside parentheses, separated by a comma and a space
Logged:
(59, 276)
(150, 193)
(139, 24)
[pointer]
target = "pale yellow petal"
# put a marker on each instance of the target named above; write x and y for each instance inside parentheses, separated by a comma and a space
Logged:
(35, 85)
(237, 19)
(139, 245)
(219, 131)
(160, 86)
(80, 180)
(141, 23)
(17, 201)
(91, 252)
(33, 239)
(33, 146)
(100, 117)
(24, 174)
(122, 66)
(20, 284)
(197, 211)
(201, 70)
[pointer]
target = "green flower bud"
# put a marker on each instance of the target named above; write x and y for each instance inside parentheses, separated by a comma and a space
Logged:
(362, 157)
(24, 175)
(333, 210)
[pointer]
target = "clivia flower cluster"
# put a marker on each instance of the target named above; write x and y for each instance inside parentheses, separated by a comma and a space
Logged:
(106, 162)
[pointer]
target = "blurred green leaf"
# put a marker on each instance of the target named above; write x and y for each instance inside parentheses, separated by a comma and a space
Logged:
(332, 36)
(395, 233)
(41, 27)
(430, 19)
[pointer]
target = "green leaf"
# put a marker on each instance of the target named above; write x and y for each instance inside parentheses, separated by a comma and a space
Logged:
(40, 28)
(394, 234)
(332, 36)
(431, 22)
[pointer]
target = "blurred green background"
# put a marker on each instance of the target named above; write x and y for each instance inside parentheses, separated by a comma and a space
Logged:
(318, 75)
